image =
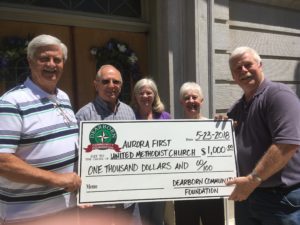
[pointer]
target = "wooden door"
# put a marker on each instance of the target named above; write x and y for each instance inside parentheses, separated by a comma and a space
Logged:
(80, 68)
(23, 30)
(86, 69)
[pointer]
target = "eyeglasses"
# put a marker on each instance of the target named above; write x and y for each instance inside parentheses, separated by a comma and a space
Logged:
(62, 112)
(107, 81)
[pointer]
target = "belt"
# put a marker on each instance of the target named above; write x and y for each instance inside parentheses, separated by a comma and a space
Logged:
(280, 189)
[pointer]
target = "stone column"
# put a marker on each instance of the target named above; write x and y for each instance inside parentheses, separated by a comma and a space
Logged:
(181, 46)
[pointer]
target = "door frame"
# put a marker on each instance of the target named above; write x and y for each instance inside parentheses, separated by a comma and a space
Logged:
(78, 19)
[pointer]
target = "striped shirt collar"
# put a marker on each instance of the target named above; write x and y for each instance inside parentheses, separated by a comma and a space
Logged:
(38, 91)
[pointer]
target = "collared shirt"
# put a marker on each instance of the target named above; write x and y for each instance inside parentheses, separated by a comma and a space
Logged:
(99, 110)
(42, 130)
(271, 116)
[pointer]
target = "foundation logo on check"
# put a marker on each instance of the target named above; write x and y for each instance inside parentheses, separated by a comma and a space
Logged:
(103, 136)
(103, 133)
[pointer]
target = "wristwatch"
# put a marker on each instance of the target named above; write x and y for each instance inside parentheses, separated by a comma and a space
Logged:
(256, 177)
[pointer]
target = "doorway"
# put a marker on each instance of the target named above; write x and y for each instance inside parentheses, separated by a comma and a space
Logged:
(80, 68)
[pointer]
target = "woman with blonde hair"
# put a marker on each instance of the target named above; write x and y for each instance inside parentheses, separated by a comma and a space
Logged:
(147, 105)
(146, 102)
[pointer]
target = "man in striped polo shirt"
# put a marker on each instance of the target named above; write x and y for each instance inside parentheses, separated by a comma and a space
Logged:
(38, 139)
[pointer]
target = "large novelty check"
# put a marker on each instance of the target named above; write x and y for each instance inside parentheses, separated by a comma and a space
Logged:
(155, 160)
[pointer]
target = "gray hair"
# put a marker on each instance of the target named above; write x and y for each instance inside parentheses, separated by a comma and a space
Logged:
(239, 51)
(158, 106)
(190, 86)
(45, 40)
(99, 72)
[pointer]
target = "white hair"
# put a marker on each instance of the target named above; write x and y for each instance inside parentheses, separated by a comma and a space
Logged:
(239, 51)
(190, 86)
(45, 40)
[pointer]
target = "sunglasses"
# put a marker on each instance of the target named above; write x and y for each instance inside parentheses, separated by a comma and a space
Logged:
(107, 81)
(62, 111)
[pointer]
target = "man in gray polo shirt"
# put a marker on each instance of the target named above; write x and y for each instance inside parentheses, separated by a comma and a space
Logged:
(107, 106)
(267, 118)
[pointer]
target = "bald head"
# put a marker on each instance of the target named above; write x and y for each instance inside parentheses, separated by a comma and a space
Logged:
(108, 84)
(105, 69)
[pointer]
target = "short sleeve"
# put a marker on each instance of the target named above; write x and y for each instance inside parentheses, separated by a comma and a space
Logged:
(10, 127)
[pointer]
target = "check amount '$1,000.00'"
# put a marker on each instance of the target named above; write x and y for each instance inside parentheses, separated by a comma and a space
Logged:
(158, 155)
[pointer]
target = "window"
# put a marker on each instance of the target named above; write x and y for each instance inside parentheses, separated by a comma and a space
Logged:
(123, 8)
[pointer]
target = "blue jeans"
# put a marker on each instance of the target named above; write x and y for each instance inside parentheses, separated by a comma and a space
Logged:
(269, 207)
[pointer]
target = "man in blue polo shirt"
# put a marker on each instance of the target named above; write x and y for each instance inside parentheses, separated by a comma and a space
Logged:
(267, 119)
